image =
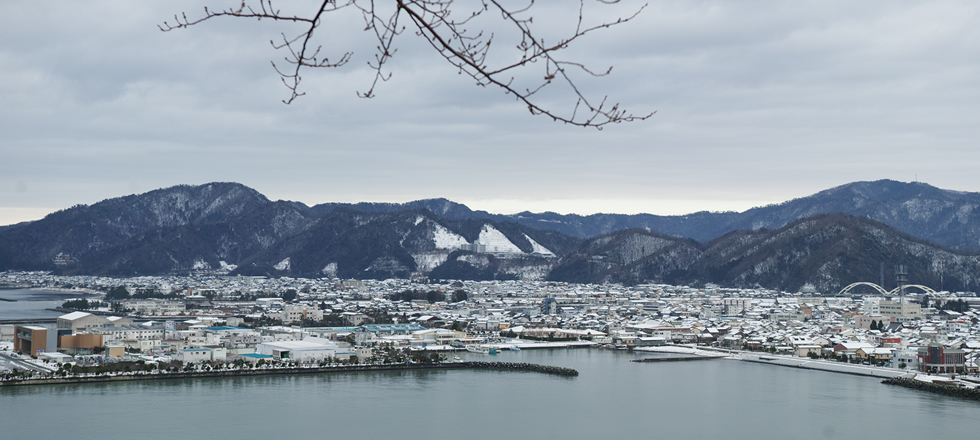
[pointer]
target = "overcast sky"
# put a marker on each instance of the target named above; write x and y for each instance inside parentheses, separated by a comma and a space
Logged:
(756, 102)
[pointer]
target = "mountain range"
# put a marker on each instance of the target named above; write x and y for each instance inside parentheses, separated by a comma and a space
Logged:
(823, 241)
(824, 253)
(945, 217)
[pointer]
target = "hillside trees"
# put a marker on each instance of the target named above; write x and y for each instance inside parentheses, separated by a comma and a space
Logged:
(118, 292)
(957, 305)
(460, 295)
(82, 304)
(432, 296)
(462, 32)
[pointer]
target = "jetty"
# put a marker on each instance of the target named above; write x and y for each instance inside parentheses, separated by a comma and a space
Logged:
(158, 375)
(677, 359)
(944, 387)
(521, 366)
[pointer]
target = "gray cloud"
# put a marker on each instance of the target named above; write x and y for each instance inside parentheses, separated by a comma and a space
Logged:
(757, 102)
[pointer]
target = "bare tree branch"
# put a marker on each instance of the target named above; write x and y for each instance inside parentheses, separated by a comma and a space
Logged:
(435, 21)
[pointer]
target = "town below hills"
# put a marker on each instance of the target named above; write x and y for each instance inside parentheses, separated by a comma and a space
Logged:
(855, 232)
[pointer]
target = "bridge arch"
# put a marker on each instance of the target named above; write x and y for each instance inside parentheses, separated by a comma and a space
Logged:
(863, 283)
(925, 289)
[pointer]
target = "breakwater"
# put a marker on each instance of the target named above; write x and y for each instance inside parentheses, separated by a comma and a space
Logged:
(157, 375)
(933, 387)
(518, 366)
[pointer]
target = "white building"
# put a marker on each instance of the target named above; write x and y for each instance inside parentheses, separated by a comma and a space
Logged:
(909, 357)
(191, 355)
(902, 311)
(155, 307)
(79, 321)
(130, 333)
(295, 313)
(307, 350)
(204, 354)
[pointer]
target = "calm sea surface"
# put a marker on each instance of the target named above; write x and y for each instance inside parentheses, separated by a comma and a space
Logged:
(31, 304)
(611, 399)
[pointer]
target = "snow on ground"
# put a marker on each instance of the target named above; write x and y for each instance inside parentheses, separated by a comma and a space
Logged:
(386, 264)
(478, 261)
(681, 350)
(201, 265)
(537, 248)
(446, 239)
(228, 267)
(530, 273)
(496, 241)
(524, 344)
(811, 364)
(330, 270)
(418, 220)
(282, 265)
(429, 260)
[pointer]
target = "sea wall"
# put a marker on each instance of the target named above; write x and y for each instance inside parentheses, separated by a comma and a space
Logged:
(932, 387)
(505, 366)
(835, 367)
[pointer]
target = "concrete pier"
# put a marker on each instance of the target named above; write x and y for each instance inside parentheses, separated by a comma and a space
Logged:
(678, 359)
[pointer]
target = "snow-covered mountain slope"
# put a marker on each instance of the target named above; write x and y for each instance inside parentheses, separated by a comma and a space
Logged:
(496, 241)
(537, 248)
(445, 239)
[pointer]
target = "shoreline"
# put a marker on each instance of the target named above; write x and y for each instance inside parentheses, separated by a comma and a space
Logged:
(811, 364)
(821, 365)
(466, 365)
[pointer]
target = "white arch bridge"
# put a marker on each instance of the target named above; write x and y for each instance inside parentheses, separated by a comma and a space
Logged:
(926, 289)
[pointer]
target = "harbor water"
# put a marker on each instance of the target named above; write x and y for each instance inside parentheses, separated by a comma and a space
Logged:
(612, 398)
(32, 304)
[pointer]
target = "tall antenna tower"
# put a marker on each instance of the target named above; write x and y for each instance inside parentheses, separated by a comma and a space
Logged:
(901, 278)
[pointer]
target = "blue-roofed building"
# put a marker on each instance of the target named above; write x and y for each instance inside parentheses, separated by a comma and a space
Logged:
(392, 329)
(223, 328)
